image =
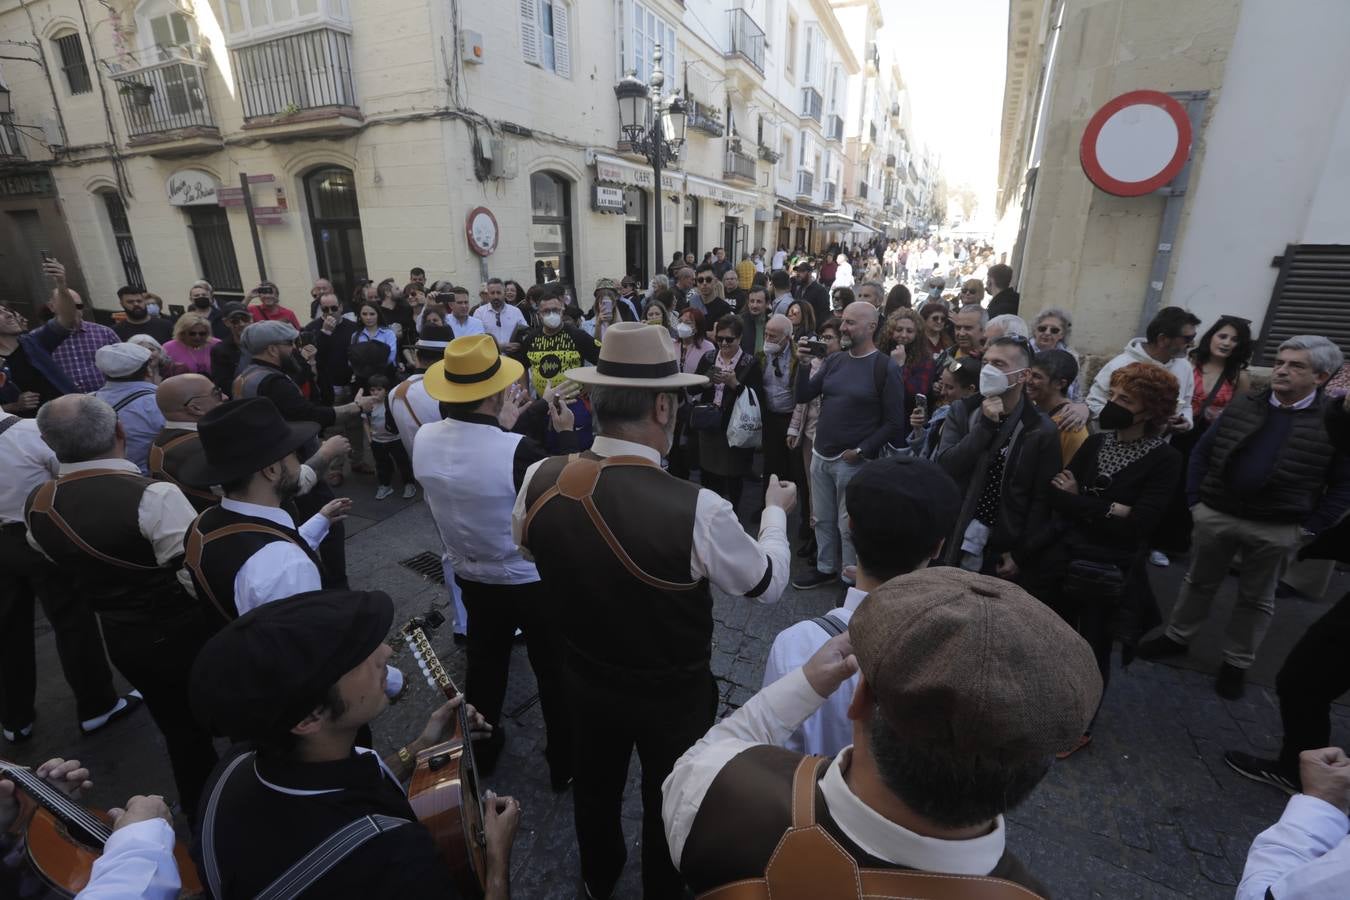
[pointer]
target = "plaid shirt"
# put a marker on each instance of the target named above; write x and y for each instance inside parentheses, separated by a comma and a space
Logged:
(75, 355)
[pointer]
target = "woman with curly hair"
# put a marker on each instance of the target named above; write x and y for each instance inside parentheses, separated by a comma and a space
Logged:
(1107, 504)
(937, 336)
(903, 340)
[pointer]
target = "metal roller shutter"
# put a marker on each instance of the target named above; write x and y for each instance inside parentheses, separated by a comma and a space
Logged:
(1311, 296)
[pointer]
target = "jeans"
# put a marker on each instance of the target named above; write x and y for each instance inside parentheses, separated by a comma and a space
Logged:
(829, 479)
(1218, 537)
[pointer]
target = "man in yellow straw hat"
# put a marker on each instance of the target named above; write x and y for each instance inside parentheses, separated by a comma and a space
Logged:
(629, 551)
(470, 465)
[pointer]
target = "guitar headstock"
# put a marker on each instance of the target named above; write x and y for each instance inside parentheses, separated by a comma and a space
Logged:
(415, 638)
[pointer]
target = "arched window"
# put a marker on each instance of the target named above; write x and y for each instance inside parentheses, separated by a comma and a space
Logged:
(71, 52)
(335, 222)
(551, 228)
(120, 226)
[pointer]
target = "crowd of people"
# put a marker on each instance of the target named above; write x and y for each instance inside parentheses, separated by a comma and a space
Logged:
(955, 476)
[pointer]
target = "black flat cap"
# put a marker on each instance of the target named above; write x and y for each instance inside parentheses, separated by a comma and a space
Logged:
(264, 672)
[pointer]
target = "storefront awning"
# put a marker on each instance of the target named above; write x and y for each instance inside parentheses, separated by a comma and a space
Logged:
(801, 209)
(614, 170)
(715, 190)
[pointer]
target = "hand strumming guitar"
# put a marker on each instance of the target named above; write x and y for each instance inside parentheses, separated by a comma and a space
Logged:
(438, 730)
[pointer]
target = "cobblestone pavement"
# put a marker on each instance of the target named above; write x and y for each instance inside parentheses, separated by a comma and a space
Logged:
(1147, 810)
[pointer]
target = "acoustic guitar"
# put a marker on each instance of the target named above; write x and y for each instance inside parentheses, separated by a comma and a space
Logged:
(444, 792)
(63, 838)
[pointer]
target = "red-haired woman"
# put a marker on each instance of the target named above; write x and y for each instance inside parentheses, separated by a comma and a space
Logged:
(1107, 504)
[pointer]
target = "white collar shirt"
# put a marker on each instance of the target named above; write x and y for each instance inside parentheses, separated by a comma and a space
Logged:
(28, 462)
(1301, 404)
(137, 861)
(828, 730)
(279, 569)
(501, 324)
(470, 325)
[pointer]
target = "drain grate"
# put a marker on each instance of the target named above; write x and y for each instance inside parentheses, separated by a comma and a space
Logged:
(426, 564)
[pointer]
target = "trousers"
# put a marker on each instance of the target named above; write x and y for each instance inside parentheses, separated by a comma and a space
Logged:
(1315, 674)
(776, 452)
(388, 455)
(156, 656)
(29, 577)
(495, 612)
(834, 542)
(610, 718)
(1218, 537)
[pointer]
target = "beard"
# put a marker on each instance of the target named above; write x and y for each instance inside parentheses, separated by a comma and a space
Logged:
(845, 341)
(288, 486)
(138, 315)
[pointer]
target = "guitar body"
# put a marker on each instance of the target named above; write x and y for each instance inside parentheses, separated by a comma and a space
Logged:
(65, 861)
(443, 794)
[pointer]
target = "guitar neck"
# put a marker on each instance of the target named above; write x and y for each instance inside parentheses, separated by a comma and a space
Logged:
(437, 677)
(75, 817)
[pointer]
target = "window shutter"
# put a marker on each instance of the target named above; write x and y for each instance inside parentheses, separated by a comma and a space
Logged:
(1311, 296)
(562, 41)
(529, 31)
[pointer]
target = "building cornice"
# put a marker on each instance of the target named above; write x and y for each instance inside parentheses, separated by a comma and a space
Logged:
(830, 23)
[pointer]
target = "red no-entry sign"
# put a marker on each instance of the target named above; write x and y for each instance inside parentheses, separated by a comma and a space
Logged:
(1136, 143)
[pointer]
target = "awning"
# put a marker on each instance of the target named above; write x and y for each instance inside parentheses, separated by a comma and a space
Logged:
(621, 171)
(715, 190)
(801, 209)
(834, 220)
(864, 228)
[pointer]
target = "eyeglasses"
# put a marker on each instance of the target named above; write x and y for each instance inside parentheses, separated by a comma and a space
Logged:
(705, 280)
(1049, 329)
(215, 392)
(969, 291)
(726, 339)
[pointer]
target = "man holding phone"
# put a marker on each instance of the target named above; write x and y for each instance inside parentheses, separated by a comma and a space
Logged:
(269, 306)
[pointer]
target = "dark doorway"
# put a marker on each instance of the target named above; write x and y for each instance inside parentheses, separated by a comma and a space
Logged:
(691, 226)
(335, 221)
(210, 229)
(635, 234)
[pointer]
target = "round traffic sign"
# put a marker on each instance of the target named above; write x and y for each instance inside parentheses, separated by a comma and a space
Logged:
(1136, 143)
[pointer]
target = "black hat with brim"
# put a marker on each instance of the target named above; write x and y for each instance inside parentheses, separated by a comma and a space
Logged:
(240, 437)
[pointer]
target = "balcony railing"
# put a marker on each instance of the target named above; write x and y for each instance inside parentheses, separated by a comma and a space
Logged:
(806, 182)
(311, 70)
(10, 145)
(834, 128)
(747, 38)
(829, 191)
(862, 189)
(165, 96)
(811, 103)
(768, 154)
(702, 117)
(739, 165)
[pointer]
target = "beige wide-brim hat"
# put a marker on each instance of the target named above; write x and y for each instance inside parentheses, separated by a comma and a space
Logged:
(636, 355)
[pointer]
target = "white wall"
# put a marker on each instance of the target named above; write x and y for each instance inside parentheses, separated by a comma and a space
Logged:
(1275, 167)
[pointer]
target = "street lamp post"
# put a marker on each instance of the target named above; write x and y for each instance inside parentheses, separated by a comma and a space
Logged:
(654, 127)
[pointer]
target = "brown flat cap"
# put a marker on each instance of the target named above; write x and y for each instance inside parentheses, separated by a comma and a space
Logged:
(974, 664)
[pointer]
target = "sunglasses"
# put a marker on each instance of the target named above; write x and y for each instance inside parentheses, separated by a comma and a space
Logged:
(705, 280)
(1049, 329)
(727, 339)
(329, 309)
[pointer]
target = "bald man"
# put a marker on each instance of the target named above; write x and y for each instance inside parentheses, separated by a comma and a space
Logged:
(862, 411)
(183, 400)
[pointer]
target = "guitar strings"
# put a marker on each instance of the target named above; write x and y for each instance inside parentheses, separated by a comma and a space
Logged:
(60, 803)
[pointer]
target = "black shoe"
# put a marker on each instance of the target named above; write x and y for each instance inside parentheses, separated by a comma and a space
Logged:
(17, 735)
(814, 578)
(1266, 771)
(1231, 683)
(125, 706)
(808, 548)
(1160, 647)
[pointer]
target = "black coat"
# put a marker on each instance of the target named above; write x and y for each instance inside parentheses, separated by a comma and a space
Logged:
(1005, 304)
(333, 363)
(748, 372)
(1334, 543)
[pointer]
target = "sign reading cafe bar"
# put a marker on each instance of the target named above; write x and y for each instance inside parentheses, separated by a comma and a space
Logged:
(192, 187)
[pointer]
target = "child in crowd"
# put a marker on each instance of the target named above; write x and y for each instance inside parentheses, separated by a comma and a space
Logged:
(385, 444)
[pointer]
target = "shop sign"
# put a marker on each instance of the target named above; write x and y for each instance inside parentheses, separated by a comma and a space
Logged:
(192, 187)
(617, 171)
(607, 198)
(24, 184)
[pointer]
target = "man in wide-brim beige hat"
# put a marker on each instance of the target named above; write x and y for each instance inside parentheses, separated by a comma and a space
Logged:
(629, 552)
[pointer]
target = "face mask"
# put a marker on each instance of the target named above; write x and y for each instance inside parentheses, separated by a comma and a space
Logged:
(202, 303)
(993, 382)
(684, 330)
(1114, 417)
(152, 309)
(551, 320)
(772, 349)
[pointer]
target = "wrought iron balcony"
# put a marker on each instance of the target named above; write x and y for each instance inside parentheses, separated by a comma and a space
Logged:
(306, 71)
(747, 39)
(829, 191)
(862, 189)
(806, 182)
(739, 165)
(834, 128)
(768, 154)
(704, 118)
(812, 103)
(10, 145)
(166, 95)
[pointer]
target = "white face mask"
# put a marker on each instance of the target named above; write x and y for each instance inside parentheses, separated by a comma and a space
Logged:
(152, 309)
(994, 382)
(772, 349)
(551, 319)
(684, 330)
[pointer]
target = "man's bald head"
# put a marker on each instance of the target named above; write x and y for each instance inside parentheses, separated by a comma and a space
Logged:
(859, 325)
(74, 296)
(862, 310)
(80, 427)
(186, 398)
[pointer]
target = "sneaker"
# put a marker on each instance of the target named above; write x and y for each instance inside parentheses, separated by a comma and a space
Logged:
(1267, 771)
(1231, 683)
(1083, 740)
(814, 578)
(1160, 647)
(409, 491)
(1159, 559)
(383, 491)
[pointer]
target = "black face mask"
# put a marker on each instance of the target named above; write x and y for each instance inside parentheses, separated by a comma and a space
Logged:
(202, 303)
(1114, 417)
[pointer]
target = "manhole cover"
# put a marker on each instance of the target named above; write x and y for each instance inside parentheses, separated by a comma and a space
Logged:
(426, 564)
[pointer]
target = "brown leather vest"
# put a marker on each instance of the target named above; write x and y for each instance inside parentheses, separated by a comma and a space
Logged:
(167, 452)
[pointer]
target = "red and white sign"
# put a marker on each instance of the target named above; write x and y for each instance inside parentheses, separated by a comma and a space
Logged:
(1136, 144)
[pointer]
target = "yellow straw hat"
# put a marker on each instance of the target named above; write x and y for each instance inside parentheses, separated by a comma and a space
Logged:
(471, 369)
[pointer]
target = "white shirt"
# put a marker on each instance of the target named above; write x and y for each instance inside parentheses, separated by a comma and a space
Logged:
(280, 569)
(779, 259)
(469, 326)
(413, 407)
(509, 316)
(137, 862)
(1304, 856)
(722, 552)
(1135, 352)
(768, 718)
(28, 462)
(828, 730)
(1301, 404)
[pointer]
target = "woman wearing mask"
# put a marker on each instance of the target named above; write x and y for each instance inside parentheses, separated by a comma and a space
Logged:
(656, 314)
(691, 345)
(801, 433)
(730, 371)
(191, 346)
(957, 384)
(1107, 504)
(903, 340)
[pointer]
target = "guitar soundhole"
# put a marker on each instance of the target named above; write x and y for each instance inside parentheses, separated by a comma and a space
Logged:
(438, 761)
